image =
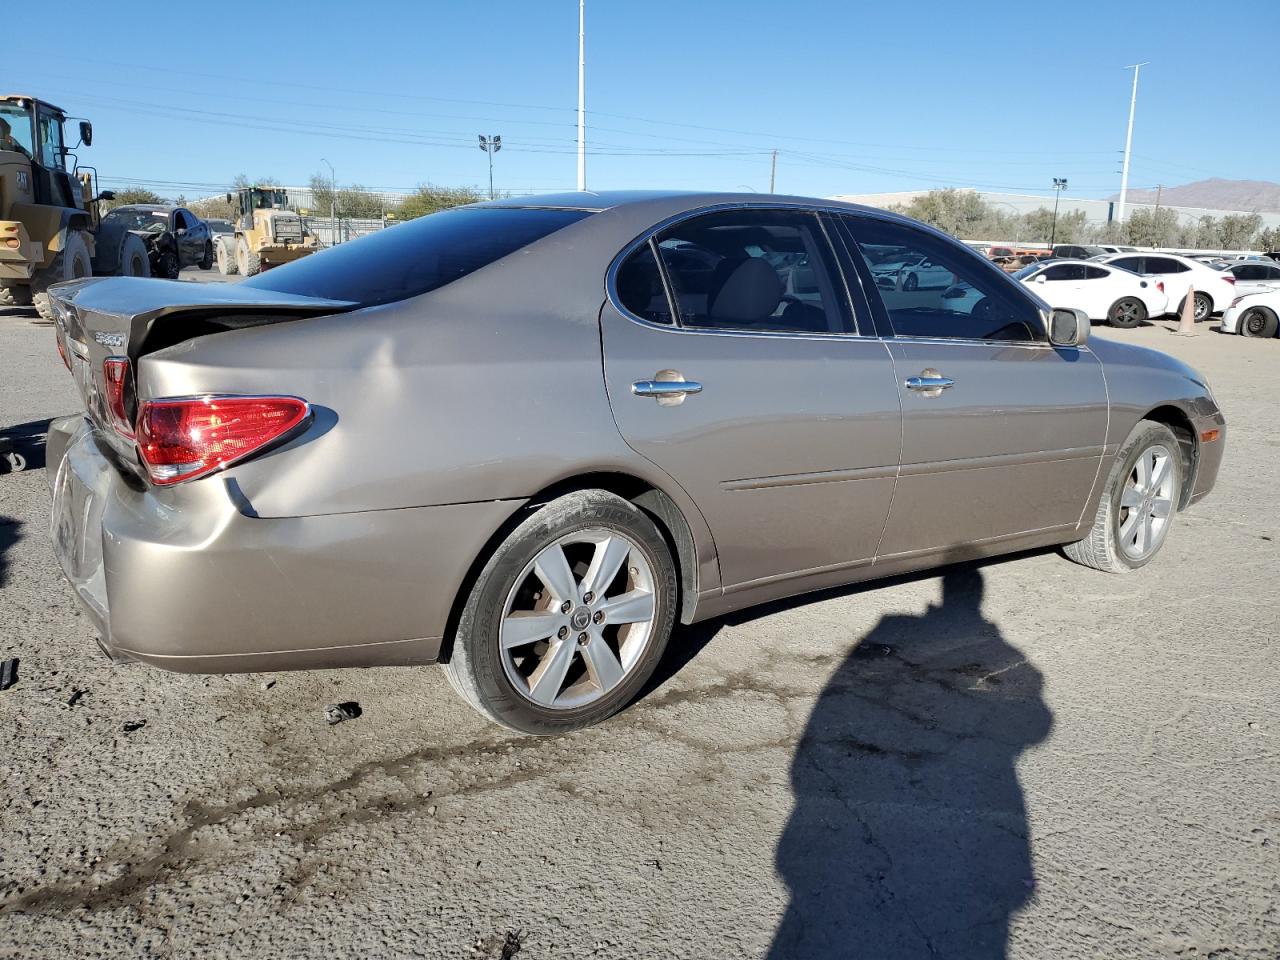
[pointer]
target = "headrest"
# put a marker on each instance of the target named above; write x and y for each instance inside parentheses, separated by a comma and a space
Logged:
(751, 293)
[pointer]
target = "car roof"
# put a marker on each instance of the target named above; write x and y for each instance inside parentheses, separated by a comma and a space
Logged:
(676, 200)
(143, 206)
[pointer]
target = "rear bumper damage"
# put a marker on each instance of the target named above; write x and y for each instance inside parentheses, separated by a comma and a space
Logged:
(197, 583)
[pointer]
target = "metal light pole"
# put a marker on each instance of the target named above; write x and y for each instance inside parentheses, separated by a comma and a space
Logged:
(333, 203)
(1128, 138)
(490, 145)
(773, 170)
(582, 96)
(1059, 184)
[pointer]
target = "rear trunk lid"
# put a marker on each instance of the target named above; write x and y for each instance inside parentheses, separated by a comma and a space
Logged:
(131, 316)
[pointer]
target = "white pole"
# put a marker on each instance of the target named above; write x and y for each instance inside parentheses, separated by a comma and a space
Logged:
(1128, 140)
(582, 96)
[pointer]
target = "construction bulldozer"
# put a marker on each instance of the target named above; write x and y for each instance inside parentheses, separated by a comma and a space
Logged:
(269, 232)
(49, 215)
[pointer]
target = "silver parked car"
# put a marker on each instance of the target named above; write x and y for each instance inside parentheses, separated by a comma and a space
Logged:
(527, 437)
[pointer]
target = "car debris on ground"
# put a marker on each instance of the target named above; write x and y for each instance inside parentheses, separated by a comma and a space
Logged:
(338, 712)
(8, 673)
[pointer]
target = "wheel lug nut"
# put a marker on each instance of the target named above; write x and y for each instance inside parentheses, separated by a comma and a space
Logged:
(588, 597)
(566, 607)
(633, 571)
(599, 617)
(583, 638)
(562, 632)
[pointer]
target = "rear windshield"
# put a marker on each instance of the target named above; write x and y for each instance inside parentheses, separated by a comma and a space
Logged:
(415, 257)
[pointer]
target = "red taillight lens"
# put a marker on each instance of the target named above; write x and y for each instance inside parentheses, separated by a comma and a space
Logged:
(184, 439)
(1160, 285)
(117, 376)
(62, 349)
(1230, 278)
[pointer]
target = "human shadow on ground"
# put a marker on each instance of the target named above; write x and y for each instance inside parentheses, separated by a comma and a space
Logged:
(909, 835)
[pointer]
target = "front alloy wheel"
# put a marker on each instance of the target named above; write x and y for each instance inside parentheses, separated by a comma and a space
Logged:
(1146, 503)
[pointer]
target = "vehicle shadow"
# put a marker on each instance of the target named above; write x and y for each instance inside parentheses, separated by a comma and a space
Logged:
(27, 440)
(10, 534)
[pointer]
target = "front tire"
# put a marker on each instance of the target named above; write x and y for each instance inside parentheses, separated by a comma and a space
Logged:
(1137, 505)
(1127, 312)
(134, 261)
(247, 262)
(19, 295)
(1258, 322)
(206, 262)
(910, 282)
(568, 618)
(226, 259)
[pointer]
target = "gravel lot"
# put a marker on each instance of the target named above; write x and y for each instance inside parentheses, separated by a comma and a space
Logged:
(1023, 758)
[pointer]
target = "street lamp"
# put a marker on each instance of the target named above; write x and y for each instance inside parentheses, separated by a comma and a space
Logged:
(333, 202)
(490, 145)
(1059, 184)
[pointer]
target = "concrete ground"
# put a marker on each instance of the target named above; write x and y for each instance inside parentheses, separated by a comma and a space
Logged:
(1023, 759)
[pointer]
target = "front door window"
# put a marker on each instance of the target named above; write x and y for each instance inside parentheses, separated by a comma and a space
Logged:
(49, 133)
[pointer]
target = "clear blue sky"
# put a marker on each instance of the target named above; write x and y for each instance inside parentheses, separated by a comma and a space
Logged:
(857, 97)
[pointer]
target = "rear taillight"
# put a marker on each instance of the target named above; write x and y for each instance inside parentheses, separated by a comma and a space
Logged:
(1230, 278)
(1236, 301)
(62, 349)
(190, 437)
(117, 377)
(1160, 285)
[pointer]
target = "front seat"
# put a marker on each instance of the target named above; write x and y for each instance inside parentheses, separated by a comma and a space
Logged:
(748, 296)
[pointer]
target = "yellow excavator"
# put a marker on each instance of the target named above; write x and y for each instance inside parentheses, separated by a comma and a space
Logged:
(49, 213)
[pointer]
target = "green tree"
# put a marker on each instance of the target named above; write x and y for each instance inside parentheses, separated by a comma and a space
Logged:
(429, 198)
(1269, 239)
(961, 213)
(1151, 227)
(1236, 231)
(130, 196)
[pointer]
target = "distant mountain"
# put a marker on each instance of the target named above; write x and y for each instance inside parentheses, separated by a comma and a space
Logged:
(1217, 194)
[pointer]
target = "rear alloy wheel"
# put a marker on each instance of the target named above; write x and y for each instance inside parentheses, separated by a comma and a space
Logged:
(1203, 308)
(1127, 312)
(569, 617)
(1137, 504)
(1258, 322)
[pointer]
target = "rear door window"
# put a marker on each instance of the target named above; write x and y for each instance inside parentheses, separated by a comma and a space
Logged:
(753, 270)
(1133, 264)
(415, 257)
(1065, 271)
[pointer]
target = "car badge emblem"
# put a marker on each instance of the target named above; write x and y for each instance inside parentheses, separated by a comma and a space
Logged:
(112, 340)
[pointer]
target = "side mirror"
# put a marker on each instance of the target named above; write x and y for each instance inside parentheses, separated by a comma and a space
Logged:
(1068, 327)
(953, 293)
(228, 198)
(1041, 278)
(107, 195)
(86, 133)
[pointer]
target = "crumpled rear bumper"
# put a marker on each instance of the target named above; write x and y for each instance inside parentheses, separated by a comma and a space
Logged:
(195, 583)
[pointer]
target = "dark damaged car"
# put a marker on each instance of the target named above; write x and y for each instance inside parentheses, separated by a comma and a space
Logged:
(174, 238)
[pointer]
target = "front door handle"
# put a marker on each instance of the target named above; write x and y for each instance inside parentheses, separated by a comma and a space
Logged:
(668, 387)
(929, 382)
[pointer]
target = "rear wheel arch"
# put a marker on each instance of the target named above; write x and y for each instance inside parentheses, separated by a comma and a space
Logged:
(653, 501)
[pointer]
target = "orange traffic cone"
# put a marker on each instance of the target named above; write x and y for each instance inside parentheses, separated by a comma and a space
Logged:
(1187, 322)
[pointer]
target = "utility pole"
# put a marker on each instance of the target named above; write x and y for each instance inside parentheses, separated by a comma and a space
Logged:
(490, 145)
(1128, 138)
(333, 202)
(773, 170)
(1059, 184)
(1159, 191)
(582, 96)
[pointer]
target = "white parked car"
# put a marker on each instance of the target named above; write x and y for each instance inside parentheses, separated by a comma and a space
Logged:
(924, 275)
(1214, 289)
(1254, 276)
(1103, 291)
(1254, 315)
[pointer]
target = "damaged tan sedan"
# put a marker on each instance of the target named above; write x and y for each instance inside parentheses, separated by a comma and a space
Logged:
(526, 438)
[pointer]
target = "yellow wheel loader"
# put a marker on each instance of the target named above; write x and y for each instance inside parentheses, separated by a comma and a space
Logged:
(269, 232)
(49, 213)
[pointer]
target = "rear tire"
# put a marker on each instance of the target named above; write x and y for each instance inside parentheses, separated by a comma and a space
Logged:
(513, 681)
(1127, 312)
(1125, 507)
(226, 259)
(70, 263)
(1258, 322)
(133, 257)
(247, 262)
(1203, 307)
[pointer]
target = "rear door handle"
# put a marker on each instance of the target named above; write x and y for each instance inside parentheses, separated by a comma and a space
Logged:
(668, 388)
